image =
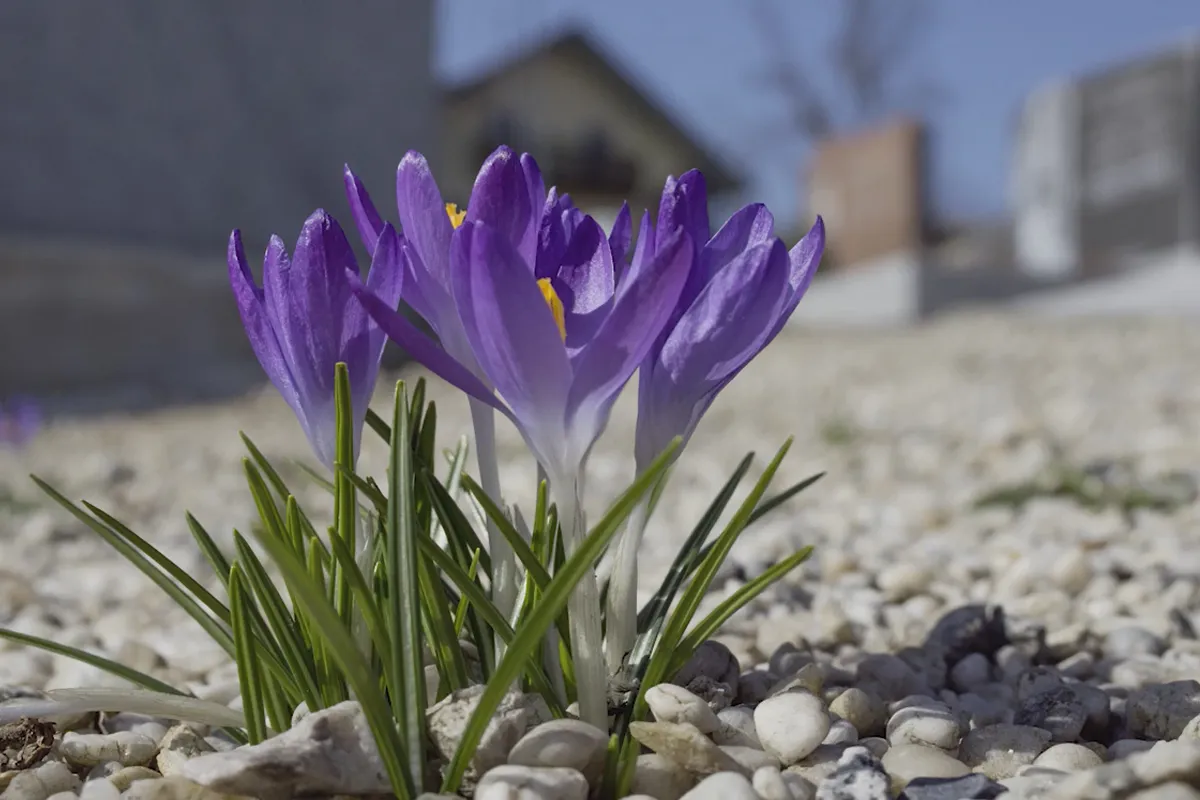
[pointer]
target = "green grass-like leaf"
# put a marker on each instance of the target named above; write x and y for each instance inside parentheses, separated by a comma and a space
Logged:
(527, 641)
(249, 674)
(99, 662)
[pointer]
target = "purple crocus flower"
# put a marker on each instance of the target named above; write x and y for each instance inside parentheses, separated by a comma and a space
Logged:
(303, 321)
(742, 288)
(532, 282)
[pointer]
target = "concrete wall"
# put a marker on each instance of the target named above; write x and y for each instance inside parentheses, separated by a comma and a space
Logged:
(167, 123)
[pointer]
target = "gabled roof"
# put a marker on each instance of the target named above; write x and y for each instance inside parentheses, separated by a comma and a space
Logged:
(578, 45)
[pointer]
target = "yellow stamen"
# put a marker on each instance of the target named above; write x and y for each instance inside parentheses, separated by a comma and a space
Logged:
(456, 216)
(556, 306)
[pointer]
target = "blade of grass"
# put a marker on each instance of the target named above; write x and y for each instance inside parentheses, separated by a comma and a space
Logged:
(340, 647)
(264, 465)
(92, 660)
(212, 553)
(520, 547)
(730, 605)
(403, 571)
(525, 644)
(366, 601)
(293, 650)
(460, 613)
(215, 628)
(249, 675)
(345, 503)
(771, 503)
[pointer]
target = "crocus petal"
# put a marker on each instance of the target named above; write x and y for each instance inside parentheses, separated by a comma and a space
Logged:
(503, 200)
(366, 218)
(749, 226)
(585, 282)
(803, 260)
(423, 216)
(620, 238)
(730, 320)
(642, 307)
(510, 328)
(552, 235)
(252, 308)
(385, 280)
(685, 203)
(422, 349)
(645, 241)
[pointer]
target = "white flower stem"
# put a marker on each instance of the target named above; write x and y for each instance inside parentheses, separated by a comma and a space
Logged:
(587, 648)
(504, 562)
(622, 588)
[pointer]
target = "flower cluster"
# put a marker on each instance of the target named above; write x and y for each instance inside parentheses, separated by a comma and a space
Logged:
(536, 313)
(20, 420)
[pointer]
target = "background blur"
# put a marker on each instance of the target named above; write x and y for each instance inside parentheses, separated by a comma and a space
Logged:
(1042, 155)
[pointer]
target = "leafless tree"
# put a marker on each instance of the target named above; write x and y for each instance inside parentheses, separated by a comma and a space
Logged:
(870, 67)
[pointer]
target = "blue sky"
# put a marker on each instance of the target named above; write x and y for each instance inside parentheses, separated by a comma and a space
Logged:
(699, 56)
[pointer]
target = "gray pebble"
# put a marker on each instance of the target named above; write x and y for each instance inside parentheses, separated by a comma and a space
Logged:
(1057, 711)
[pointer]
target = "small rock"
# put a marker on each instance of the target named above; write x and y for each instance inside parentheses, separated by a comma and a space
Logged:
(933, 725)
(685, 745)
(904, 762)
(1132, 641)
(841, 732)
(809, 678)
(859, 776)
(1162, 711)
(903, 580)
(1172, 790)
(1124, 748)
(173, 788)
(865, 711)
(518, 782)
(658, 776)
(127, 776)
(889, 676)
(771, 784)
(1057, 711)
(42, 781)
(99, 789)
(331, 751)
(711, 660)
(723, 786)
(971, 786)
(516, 714)
(568, 743)
(671, 703)
(972, 671)
(969, 629)
(1068, 757)
(755, 685)
(750, 757)
(998, 751)
(125, 747)
(791, 725)
(737, 728)
(180, 744)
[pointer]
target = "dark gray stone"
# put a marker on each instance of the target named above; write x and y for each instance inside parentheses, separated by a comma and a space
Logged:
(859, 776)
(968, 787)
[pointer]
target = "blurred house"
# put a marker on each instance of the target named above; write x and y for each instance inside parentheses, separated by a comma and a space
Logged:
(596, 133)
(136, 135)
(870, 188)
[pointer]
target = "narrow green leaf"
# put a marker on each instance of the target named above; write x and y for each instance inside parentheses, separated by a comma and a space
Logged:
(212, 553)
(771, 503)
(403, 570)
(84, 657)
(524, 646)
(215, 628)
(345, 503)
(668, 646)
(459, 531)
(381, 428)
(460, 613)
(342, 650)
(264, 465)
(704, 629)
(181, 576)
(520, 547)
(293, 650)
(245, 654)
(368, 606)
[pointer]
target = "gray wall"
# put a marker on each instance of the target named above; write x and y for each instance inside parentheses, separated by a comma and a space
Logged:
(170, 122)
(941, 289)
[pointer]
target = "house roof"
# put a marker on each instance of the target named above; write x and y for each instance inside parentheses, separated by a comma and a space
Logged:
(578, 45)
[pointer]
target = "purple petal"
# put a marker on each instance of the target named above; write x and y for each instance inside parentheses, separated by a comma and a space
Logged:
(553, 235)
(252, 308)
(423, 349)
(645, 242)
(584, 282)
(509, 326)
(729, 322)
(385, 281)
(749, 226)
(503, 199)
(803, 261)
(685, 203)
(423, 219)
(619, 239)
(643, 305)
(366, 218)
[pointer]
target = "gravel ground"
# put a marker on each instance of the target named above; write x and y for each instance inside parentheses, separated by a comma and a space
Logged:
(1081, 438)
